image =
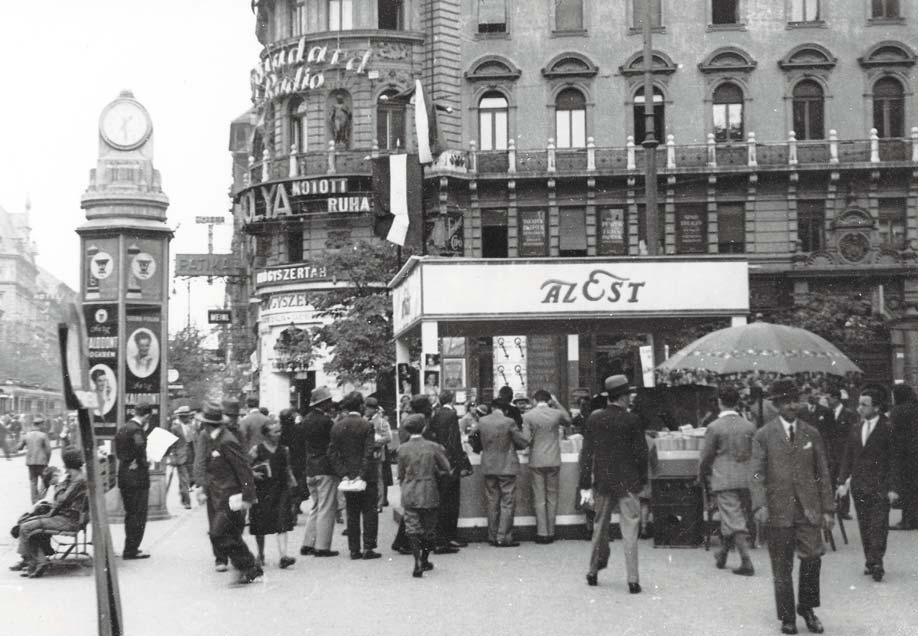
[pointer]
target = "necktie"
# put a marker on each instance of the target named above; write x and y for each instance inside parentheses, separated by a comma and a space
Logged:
(790, 433)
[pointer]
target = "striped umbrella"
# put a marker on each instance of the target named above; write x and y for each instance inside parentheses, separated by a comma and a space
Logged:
(764, 347)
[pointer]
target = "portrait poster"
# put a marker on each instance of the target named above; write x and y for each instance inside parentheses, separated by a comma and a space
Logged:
(142, 351)
(144, 268)
(407, 379)
(431, 381)
(101, 262)
(102, 347)
(453, 373)
(431, 360)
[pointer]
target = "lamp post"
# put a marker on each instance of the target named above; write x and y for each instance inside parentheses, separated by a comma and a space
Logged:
(649, 143)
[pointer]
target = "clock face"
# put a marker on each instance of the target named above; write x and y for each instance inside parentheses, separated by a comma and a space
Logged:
(125, 124)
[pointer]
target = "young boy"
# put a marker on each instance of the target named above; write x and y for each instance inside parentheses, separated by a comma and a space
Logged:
(420, 461)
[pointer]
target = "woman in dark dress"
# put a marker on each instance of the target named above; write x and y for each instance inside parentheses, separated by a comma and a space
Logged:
(273, 482)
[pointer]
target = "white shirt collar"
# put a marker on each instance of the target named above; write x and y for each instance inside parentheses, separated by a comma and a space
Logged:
(214, 434)
(838, 409)
(416, 436)
(787, 425)
(872, 423)
(727, 412)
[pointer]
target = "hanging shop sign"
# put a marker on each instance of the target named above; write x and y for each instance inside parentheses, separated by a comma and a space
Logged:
(326, 195)
(296, 68)
(285, 275)
(219, 316)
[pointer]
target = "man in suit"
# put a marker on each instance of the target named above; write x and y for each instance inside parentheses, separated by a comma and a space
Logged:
(613, 470)
(500, 439)
(204, 447)
(250, 425)
(505, 397)
(904, 421)
(231, 413)
(134, 479)
(871, 463)
(444, 429)
(228, 476)
(727, 459)
(420, 463)
(38, 454)
(351, 454)
(321, 479)
(792, 495)
(542, 427)
(844, 418)
(182, 452)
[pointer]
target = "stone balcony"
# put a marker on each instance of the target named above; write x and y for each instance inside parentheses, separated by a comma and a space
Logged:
(672, 159)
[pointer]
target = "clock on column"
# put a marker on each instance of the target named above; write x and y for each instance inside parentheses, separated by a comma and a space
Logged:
(125, 124)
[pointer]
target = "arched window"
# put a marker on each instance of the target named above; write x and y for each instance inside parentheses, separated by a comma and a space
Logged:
(570, 119)
(492, 121)
(889, 108)
(390, 122)
(296, 113)
(809, 108)
(728, 112)
(659, 119)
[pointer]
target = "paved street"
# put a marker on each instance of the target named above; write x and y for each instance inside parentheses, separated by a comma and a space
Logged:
(530, 590)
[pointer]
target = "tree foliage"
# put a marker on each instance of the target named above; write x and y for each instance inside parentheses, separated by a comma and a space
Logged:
(198, 373)
(359, 333)
(842, 319)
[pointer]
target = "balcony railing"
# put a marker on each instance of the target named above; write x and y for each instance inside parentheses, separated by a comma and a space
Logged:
(671, 158)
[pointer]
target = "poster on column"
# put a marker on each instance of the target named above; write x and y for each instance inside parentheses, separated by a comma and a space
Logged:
(510, 363)
(144, 268)
(142, 356)
(101, 261)
(102, 346)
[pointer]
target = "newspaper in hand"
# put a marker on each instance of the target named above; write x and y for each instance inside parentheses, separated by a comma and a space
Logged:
(158, 444)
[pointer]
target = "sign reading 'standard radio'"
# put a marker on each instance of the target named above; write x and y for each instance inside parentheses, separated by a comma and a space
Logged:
(326, 195)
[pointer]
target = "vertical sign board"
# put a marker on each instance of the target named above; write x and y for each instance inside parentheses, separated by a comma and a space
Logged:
(102, 340)
(533, 233)
(612, 238)
(142, 357)
(692, 229)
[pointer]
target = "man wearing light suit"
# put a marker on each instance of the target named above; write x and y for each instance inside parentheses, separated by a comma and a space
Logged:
(500, 439)
(541, 426)
(792, 495)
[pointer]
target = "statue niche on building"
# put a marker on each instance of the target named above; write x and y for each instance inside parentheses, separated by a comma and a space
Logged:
(340, 118)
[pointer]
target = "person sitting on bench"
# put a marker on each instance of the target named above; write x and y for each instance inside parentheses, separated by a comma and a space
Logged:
(64, 516)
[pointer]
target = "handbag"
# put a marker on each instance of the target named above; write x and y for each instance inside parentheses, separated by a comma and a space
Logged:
(352, 485)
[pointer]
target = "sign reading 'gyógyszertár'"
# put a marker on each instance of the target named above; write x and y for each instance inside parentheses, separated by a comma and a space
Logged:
(277, 276)
(325, 195)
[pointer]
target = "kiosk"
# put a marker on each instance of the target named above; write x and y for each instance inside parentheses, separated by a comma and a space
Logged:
(538, 313)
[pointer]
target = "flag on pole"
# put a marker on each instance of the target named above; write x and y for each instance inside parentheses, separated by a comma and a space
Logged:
(397, 199)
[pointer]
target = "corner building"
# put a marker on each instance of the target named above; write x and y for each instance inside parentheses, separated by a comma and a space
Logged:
(788, 129)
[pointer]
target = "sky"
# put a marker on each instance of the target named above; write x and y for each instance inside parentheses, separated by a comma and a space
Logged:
(62, 61)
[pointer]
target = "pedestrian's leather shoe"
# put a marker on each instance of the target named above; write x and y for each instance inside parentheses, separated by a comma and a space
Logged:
(18, 567)
(720, 559)
(325, 553)
(221, 567)
(456, 543)
(592, 580)
(445, 549)
(306, 550)
(789, 627)
(745, 569)
(426, 566)
(634, 588)
(868, 571)
(370, 554)
(508, 544)
(286, 562)
(812, 623)
(356, 555)
(877, 574)
(140, 554)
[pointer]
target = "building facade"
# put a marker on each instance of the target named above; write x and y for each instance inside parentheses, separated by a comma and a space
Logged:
(788, 132)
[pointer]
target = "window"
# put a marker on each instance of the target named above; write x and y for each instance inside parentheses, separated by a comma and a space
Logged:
(892, 223)
(808, 106)
(570, 119)
(728, 112)
(494, 234)
(568, 15)
(638, 7)
(724, 11)
(262, 246)
(340, 15)
(889, 108)
(390, 122)
(573, 239)
(731, 228)
(258, 145)
(811, 225)
(295, 115)
(804, 11)
(389, 14)
(297, 18)
(659, 119)
(492, 121)
(295, 246)
(492, 16)
(885, 9)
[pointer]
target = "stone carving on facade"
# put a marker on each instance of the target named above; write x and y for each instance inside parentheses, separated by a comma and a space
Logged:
(852, 240)
(394, 51)
(340, 117)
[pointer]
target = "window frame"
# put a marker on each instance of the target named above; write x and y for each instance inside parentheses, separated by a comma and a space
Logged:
(566, 212)
(812, 221)
(495, 32)
(385, 110)
(890, 223)
(337, 16)
(492, 111)
(737, 22)
(884, 12)
(635, 25)
(793, 6)
(886, 102)
(569, 112)
(573, 29)
(808, 103)
(725, 210)
(637, 101)
(400, 15)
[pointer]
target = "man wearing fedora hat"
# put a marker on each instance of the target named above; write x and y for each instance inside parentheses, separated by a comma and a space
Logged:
(181, 455)
(321, 479)
(613, 470)
(792, 494)
(228, 475)
(230, 408)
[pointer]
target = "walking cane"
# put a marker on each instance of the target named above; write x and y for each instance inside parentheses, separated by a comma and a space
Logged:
(169, 478)
(841, 522)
